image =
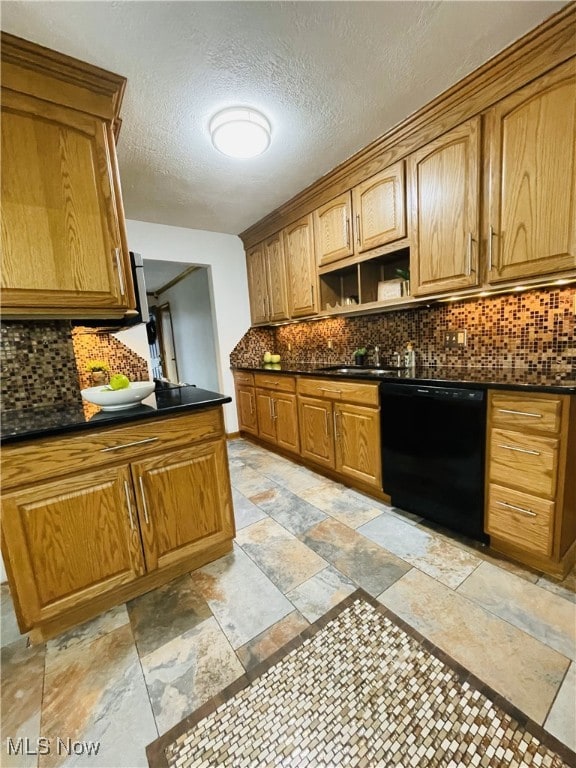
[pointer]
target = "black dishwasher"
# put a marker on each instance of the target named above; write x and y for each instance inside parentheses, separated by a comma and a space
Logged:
(433, 453)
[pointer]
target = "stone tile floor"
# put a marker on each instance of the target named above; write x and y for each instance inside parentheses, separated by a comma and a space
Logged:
(97, 695)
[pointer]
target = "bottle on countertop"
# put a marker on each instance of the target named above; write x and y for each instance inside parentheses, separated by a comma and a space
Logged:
(410, 356)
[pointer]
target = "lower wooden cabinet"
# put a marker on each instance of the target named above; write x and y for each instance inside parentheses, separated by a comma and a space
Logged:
(181, 506)
(330, 424)
(246, 402)
(77, 542)
(531, 492)
(277, 412)
(70, 539)
(340, 428)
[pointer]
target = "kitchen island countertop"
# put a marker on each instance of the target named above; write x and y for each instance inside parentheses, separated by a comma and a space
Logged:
(53, 420)
(561, 382)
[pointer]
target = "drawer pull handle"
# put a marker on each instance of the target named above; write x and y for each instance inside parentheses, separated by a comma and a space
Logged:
(335, 416)
(144, 501)
(521, 413)
(127, 492)
(333, 391)
(129, 445)
(520, 450)
(517, 509)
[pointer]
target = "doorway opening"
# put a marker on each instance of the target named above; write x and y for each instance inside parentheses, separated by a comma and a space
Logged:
(182, 334)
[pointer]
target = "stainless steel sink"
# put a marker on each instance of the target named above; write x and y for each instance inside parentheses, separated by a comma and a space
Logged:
(357, 370)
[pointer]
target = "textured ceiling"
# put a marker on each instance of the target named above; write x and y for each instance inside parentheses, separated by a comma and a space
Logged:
(331, 76)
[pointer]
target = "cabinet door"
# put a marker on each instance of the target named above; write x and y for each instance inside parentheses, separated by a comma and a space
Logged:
(286, 418)
(301, 268)
(358, 443)
(246, 406)
(532, 190)
(332, 230)
(70, 541)
(316, 430)
(257, 284)
(184, 502)
(265, 411)
(445, 204)
(278, 307)
(379, 209)
(62, 235)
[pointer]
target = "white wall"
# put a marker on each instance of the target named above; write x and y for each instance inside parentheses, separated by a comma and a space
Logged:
(225, 255)
(137, 340)
(192, 321)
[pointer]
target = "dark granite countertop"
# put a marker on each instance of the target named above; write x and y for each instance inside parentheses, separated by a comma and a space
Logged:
(60, 419)
(561, 382)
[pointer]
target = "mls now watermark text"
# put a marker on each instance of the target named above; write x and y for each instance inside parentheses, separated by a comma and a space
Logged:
(46, 746)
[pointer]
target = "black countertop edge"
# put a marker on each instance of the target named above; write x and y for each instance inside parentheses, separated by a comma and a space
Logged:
(478, 378)
(52, 421)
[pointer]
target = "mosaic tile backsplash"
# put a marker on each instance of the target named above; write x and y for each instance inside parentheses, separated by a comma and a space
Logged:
(43, 363)
(534, 330)
(103, 346)
(38, 365)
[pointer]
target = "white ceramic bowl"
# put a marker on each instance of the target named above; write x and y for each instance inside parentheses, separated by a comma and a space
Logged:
(118, 399)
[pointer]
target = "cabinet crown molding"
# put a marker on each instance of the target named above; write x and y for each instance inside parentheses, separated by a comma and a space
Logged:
(25, 65)
(540, 50)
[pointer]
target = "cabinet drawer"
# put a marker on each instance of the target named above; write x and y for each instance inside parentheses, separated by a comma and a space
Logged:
(278, 383)
(51, 457)
(540, 413)
(243, 377)
(525, 461)
(523, 520)
(336, 389)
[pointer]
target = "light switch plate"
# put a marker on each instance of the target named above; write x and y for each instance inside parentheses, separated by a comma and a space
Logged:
(454, 338)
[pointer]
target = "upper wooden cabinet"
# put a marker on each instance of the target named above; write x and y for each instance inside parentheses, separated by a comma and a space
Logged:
(257, 284)
(301, 268)
(277, 290)
(267, 281)
(379, 209)
(370, 215)
(444, 183)
(532, 179)
(64, 251)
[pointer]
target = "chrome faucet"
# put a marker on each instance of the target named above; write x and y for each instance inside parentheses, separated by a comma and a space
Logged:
(375, 350)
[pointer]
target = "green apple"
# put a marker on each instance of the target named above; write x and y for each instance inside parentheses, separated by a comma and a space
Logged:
(274, 358)
(276, 366)
(267, 357)
(119, 381)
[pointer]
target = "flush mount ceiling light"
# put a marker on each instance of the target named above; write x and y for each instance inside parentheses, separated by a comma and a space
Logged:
(240, 132)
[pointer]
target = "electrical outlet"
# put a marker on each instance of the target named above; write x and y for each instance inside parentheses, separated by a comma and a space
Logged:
(455, 338)
(330, 344)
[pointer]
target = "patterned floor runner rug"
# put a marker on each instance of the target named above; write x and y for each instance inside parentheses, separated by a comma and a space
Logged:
(358, 689)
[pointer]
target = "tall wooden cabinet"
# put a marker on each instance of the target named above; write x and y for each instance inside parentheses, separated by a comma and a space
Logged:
(92, 519)
(267, 284)
(444, 181)
(301, 268)
(532, 179)
(64, 250)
